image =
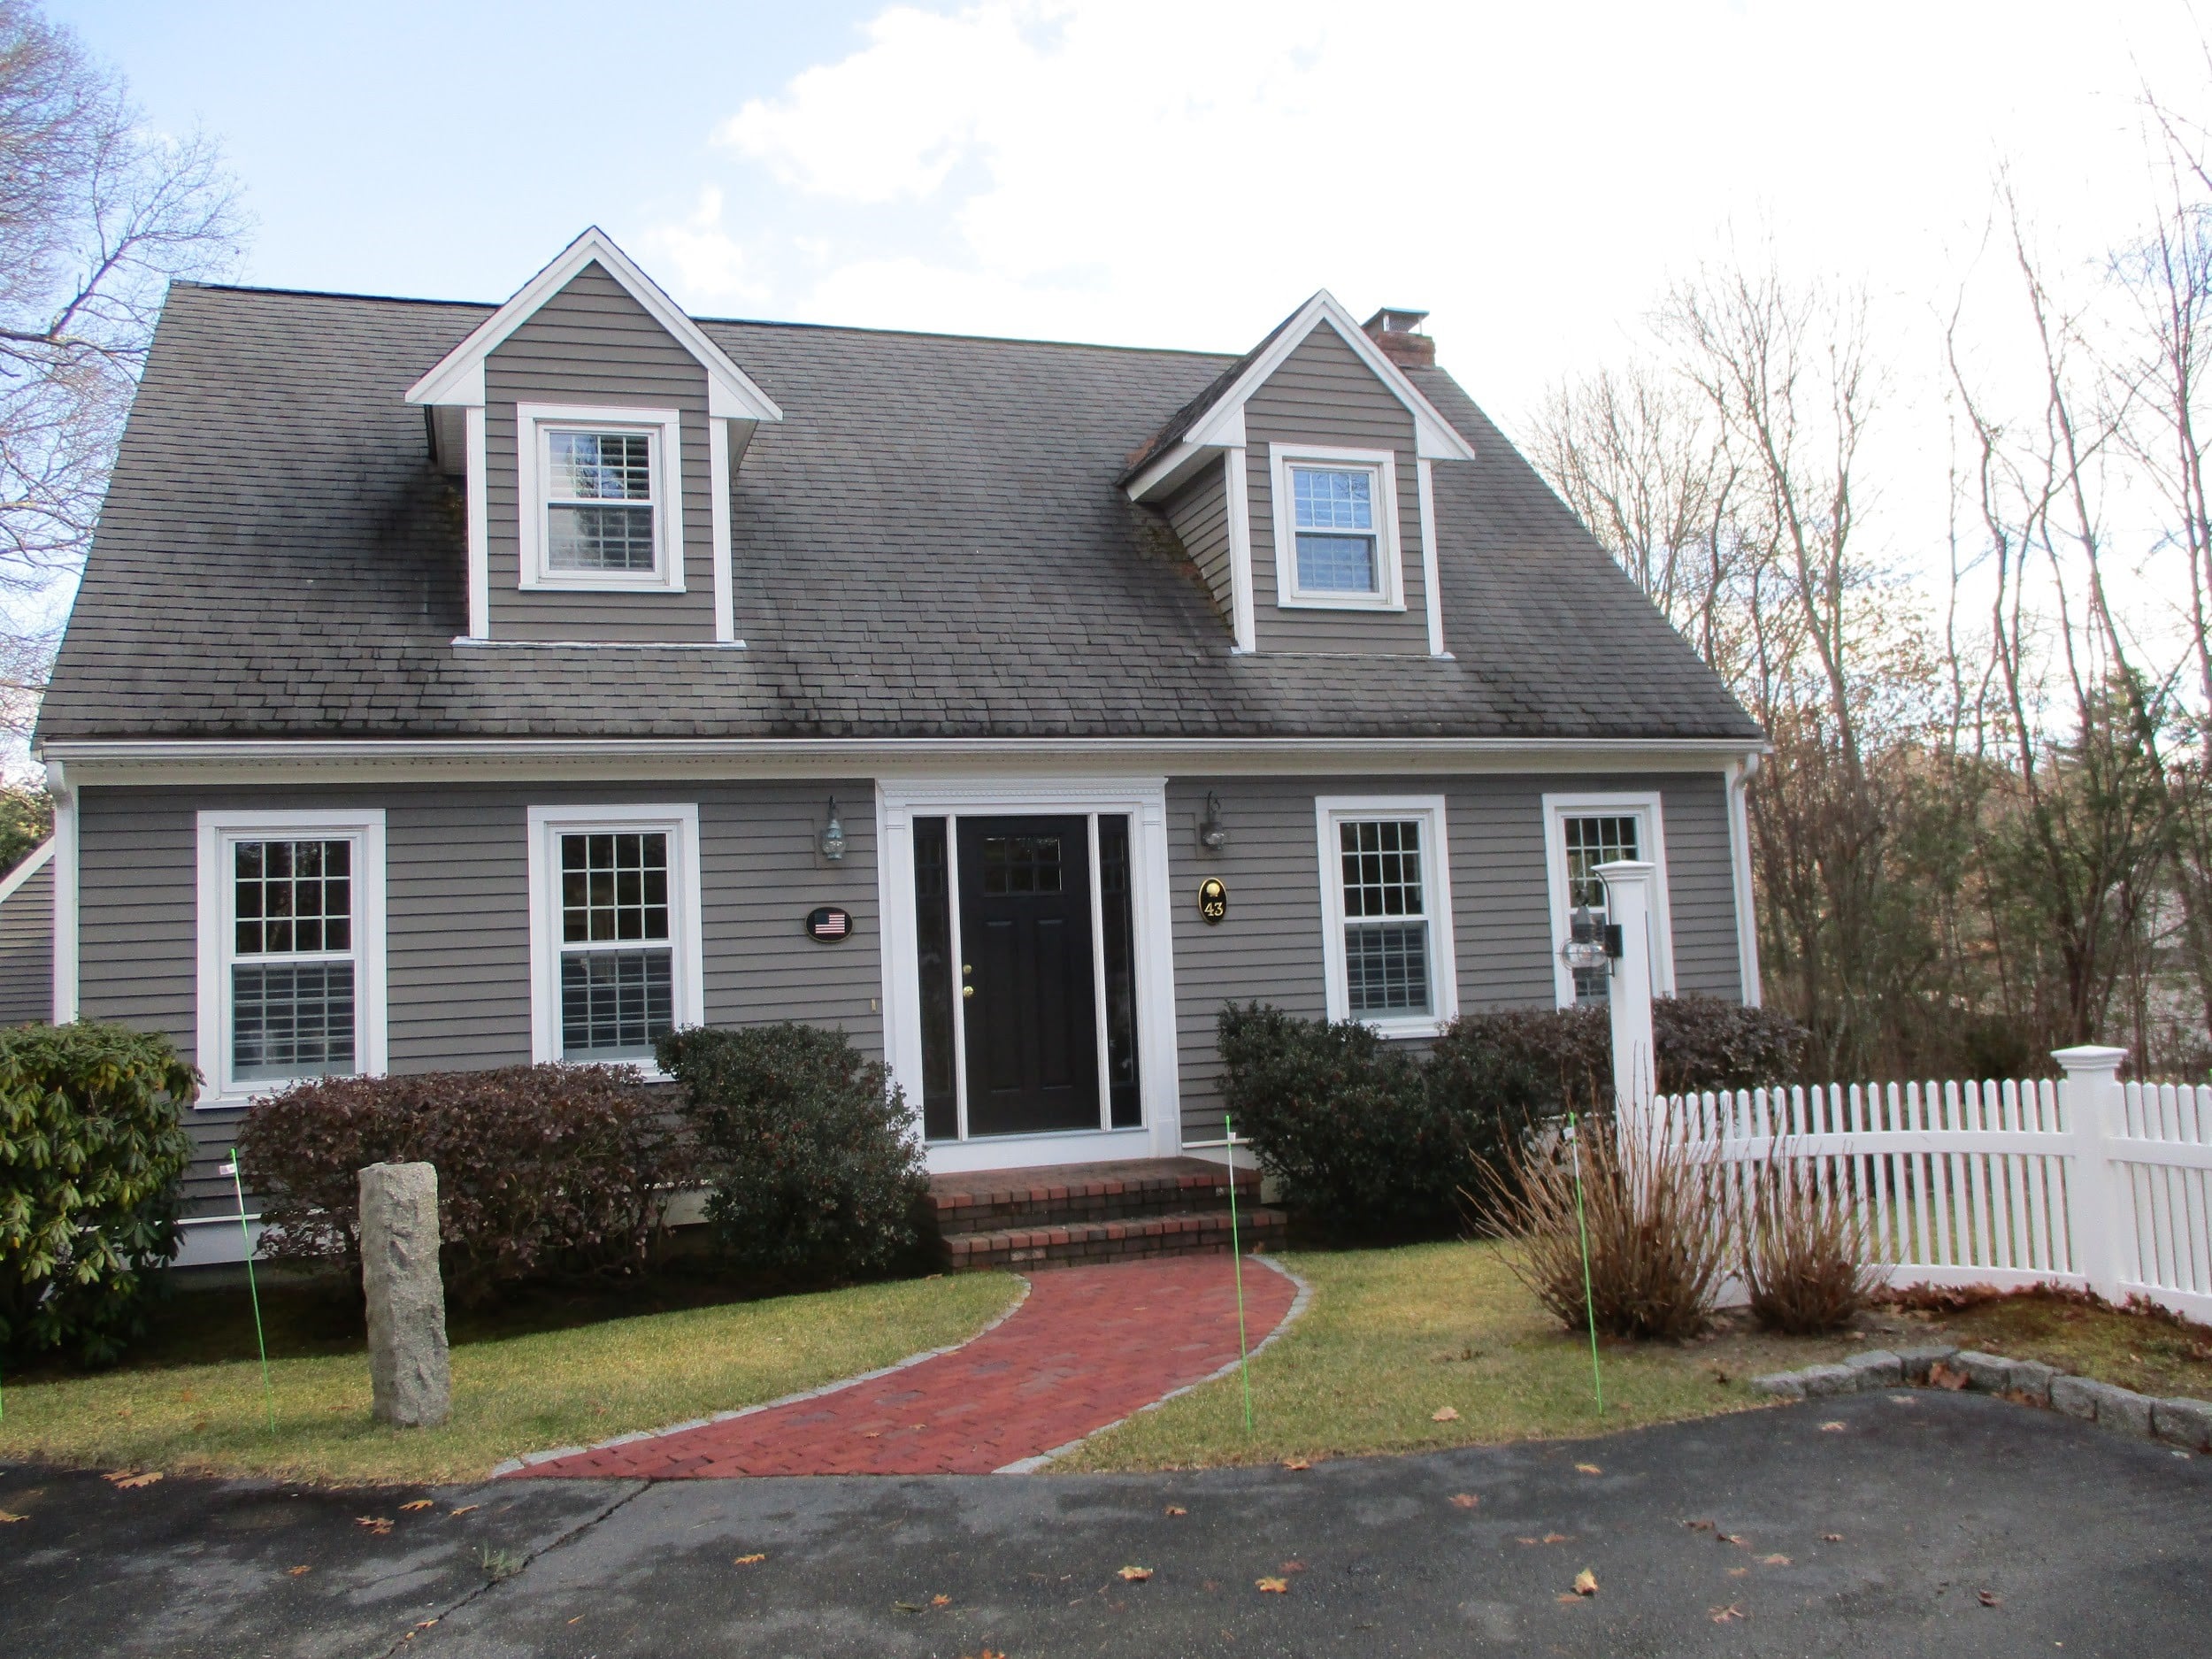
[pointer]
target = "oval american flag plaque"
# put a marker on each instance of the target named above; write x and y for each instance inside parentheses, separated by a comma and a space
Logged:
(829, 924)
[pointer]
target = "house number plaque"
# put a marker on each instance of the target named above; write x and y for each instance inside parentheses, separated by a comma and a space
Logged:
(1213, 899)
(829, 924)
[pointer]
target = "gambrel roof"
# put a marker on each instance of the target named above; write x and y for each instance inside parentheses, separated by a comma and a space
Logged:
(931, 542)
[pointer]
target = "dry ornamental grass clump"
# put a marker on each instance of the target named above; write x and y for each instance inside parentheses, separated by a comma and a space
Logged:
(1655, 1255)
(1802, 1252)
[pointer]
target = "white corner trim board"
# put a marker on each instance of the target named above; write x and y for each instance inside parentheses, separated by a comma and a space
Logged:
(718, 486)
(216, 920)
(1425, 477)
(479, 528)
(1645, 807)
(1237, 498)
(686, 943)
(1329, 812)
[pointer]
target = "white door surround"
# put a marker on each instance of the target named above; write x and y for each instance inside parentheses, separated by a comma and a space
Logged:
(899, 802)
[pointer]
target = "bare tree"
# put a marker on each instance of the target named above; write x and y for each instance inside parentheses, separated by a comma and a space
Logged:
(98, 215)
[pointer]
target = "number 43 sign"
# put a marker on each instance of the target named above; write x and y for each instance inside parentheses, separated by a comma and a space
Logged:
(1213, 899)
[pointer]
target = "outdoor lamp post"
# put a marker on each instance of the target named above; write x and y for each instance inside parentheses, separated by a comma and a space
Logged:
(1588, 947)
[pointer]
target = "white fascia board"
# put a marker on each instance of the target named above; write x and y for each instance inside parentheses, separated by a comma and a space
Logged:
(1434, 438)
(458, 376)
(1171, 470)
(113, 762)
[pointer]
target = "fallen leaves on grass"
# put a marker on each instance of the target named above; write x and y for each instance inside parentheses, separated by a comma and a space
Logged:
(1134, 1575)
(1737, 1573)
(293, 1573)
(417, 1503)
(1774, 1560)
(1942, 1376)
(463, 1509)
(1588, 1469)
(941, 1600)
(1585, 1582)
(750, 1561)
(1988, 1598)
(124, 1480)
(1464, 1499)
(1273, 1586)
(1297, 1462)
(1832, 1428)
(1737, 1539)
(1727, 1615)
(1444, 1414)
(1175, 1508)
(377, 1524)
(1558, 1537)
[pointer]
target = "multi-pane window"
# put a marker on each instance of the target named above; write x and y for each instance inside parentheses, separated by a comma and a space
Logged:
(617, 955)
(1386, 917)
(293, 959)
(1592, 841)
(1334, 515)
(599, 501)
(1021, 863)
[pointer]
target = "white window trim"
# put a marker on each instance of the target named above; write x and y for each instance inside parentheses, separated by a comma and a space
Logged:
(217, 830)
(686, 948)
(1389, 552)
(532, 422)
(1643, 804)
(1329, 810)
(899, 802)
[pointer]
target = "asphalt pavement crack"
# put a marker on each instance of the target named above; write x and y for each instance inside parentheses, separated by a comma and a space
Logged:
(491, 1584)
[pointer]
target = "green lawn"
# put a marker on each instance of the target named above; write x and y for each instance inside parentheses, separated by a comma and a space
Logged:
(511, 1393)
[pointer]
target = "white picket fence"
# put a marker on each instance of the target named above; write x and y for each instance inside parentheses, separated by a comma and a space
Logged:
(2086, 1182)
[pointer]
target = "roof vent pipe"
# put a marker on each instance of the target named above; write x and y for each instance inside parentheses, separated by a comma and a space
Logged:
(1398, 331)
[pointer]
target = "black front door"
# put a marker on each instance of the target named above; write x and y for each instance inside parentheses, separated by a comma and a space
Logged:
(1025, 985)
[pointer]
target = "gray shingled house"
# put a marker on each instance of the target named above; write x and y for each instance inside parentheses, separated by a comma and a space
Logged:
(456, 686)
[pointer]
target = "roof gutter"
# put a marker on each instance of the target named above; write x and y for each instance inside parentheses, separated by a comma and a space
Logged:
(134, 760)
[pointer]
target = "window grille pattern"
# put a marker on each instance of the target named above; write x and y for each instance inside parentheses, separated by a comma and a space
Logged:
(1592, 841)
(599, 468)
(1021, 863)
(1385, 930)
(1338, 500)
(292, 896)
(615, 1002)
(614, 886)
(291, 1019)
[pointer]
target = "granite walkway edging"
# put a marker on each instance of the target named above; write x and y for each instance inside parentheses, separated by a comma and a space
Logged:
(515, 1464)
(2183, 1424)
(1298, 1304)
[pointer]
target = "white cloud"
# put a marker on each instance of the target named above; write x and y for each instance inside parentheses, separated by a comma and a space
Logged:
(701, 258)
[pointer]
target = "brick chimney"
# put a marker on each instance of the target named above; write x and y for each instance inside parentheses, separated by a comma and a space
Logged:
(1398, 333)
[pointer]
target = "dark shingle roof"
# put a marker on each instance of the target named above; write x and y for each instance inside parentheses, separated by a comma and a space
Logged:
(931, 543)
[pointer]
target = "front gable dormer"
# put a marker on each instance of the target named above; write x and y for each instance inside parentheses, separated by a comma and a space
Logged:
(597, 426)
(1299, 482)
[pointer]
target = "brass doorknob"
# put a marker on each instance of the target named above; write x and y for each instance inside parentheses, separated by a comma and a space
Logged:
(967, 990)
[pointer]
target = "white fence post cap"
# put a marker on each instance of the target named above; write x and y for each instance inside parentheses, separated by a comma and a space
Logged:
(2090, 1058)
(1618, 868)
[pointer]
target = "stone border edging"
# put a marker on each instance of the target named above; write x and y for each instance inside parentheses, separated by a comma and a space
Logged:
(1298, 1304)
(529, 1459)
(2186, 1424)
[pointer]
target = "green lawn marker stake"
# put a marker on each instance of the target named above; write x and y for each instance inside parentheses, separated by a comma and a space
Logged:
(1589, 1302)
(1236, 1257)
(238, 1185)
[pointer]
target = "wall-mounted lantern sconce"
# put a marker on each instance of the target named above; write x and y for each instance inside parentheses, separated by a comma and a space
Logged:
(1213, 835)
(833, 835)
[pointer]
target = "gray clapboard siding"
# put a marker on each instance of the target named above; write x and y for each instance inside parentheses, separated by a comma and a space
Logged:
(27, 948)
(1200, 516)
(457, 967)
(1324, 394)
(592, 343)
(1269, 948)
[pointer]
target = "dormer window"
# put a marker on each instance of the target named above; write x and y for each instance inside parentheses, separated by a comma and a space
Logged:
(599, 498)
(1336, 528)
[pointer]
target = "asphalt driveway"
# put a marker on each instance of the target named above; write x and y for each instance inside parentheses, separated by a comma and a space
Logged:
(1950, 1523)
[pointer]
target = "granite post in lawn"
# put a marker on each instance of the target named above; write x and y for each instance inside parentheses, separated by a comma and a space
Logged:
(408, 1378)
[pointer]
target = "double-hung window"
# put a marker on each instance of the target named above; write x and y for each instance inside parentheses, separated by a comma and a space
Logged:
(599, 498)
(291, 949)
(1387, 913)
(1581, 832)
(615, 930)
(1336, 527)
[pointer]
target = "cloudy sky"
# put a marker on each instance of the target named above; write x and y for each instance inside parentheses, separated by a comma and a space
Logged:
(1171, 172)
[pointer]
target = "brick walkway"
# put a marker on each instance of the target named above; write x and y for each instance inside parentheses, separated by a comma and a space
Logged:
(1089, 1347)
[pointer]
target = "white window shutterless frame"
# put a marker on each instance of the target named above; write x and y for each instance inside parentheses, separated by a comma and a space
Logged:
(1387, 942)
(614, 906)
(575, 463)
(291, 930)
(1600, 824)
(1345, 496)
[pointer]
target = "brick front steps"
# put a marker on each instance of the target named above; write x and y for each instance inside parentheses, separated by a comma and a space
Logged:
(1074, 1214)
